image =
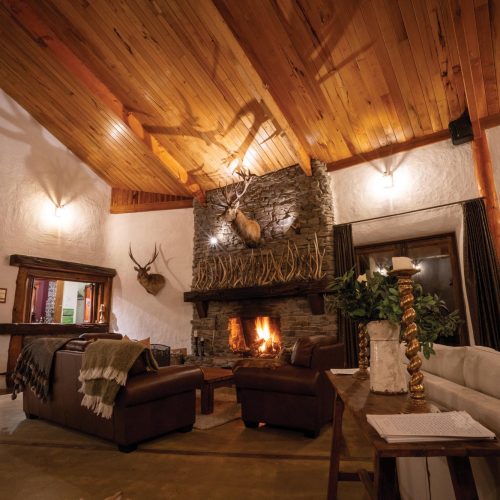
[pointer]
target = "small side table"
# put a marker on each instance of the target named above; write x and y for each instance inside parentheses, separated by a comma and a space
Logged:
(213, 378)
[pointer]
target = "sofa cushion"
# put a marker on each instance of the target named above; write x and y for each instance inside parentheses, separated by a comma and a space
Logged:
(448, 362)
(485, 409)
(288, 379)
(166, 381)
(482, 370)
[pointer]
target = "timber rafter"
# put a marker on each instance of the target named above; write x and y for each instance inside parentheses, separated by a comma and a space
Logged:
(47, 38)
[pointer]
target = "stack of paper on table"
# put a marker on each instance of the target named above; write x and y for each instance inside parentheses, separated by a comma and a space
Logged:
(416, 427)
(344, 371)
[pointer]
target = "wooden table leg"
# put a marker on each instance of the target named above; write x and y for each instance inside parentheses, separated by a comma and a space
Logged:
(462, 478)
(333, 476)
(207, 399)
(385, 481)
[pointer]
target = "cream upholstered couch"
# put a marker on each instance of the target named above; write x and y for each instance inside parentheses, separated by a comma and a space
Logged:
(458, 378)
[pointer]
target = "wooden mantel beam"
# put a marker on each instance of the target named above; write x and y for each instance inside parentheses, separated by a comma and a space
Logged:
(244, 66)
(48, 39)
(464, 25)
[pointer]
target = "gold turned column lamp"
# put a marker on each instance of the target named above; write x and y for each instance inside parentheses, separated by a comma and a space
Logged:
(404, 271)
(362, 373)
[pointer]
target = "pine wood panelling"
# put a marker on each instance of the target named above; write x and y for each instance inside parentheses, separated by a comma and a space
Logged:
(268, 83)
(126, 201)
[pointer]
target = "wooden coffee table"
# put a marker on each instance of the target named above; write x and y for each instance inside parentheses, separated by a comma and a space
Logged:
(213, 378)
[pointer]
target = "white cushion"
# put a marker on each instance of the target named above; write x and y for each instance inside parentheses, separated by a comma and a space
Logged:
(447, 363)
(482, 370)
(483, 408)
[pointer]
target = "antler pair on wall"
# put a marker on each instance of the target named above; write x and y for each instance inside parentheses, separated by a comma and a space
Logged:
(153, 283)
(247, 229)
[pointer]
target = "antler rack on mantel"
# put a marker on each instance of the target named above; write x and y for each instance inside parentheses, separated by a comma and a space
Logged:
(262, 274)
(260, 268)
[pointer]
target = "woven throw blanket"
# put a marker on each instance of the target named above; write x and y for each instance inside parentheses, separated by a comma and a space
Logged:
(105, 366)
(34, 367)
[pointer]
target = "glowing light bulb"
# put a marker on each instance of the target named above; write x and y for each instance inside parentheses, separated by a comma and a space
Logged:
(388, 181)
(213, 241)
(59, 212)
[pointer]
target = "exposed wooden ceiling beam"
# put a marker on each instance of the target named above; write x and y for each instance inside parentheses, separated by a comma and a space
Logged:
(244, 66)
(47, 38)
(126, 201)
(389, 150)
(486, 122)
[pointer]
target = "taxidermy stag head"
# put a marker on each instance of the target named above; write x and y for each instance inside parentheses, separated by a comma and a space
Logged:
(247, 229)
(153, 283)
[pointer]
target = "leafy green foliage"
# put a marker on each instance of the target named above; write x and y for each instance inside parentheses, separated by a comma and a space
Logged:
(372, 300)
(377, 298)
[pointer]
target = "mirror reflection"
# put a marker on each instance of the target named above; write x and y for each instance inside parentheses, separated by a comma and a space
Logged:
(58, 301)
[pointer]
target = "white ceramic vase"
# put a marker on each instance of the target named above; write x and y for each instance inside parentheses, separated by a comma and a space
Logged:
(387, 375)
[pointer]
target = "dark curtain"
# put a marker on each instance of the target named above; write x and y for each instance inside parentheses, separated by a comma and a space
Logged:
(482, 276)
(344, 260)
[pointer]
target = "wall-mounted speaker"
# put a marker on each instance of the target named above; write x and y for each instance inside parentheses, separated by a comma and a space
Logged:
(461, 129)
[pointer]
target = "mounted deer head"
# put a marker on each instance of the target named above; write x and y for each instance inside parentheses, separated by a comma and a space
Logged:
(247, 229)
(153, 283)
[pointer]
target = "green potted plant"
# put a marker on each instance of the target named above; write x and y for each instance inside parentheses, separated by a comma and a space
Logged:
(375, 302)
(377, 298)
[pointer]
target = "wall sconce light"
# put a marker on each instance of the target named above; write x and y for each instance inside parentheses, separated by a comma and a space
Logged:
(213, 241)
(388, 180)
(59, 211)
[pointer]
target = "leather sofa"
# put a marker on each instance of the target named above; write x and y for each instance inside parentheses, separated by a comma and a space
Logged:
(149, 405)
(297, 395)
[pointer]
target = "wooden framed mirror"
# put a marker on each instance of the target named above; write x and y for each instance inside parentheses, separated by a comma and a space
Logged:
(55, 297)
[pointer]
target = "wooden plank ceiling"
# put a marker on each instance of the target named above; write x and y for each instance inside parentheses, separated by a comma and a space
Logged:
(167, 96)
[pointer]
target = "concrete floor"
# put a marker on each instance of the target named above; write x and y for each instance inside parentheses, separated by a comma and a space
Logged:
(39, 460)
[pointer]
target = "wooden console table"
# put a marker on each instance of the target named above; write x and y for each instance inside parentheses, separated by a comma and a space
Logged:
(356, 396)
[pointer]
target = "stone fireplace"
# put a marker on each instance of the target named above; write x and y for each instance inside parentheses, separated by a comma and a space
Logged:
(294, 210)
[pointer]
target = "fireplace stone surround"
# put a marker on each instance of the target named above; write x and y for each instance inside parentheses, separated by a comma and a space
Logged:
(282, 202)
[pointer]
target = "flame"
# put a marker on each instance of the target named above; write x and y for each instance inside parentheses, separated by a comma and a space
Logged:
(266, 336)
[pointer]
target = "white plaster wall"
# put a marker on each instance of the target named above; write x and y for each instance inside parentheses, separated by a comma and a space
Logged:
(424, 177)
(37, 171)
(165, 318)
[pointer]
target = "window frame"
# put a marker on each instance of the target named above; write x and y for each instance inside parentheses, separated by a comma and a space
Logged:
(401, 248)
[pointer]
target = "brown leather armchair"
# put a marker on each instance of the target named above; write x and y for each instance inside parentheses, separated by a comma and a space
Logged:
(296, 395)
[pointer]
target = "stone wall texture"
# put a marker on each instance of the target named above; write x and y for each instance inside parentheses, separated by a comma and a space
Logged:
(277, 201)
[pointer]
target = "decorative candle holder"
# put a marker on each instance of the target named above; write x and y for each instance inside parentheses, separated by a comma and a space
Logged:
(362, 373)
(417, 402)
(102, 309)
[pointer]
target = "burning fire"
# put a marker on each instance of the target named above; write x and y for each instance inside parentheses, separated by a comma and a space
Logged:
(254, 336)
(266, 338)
